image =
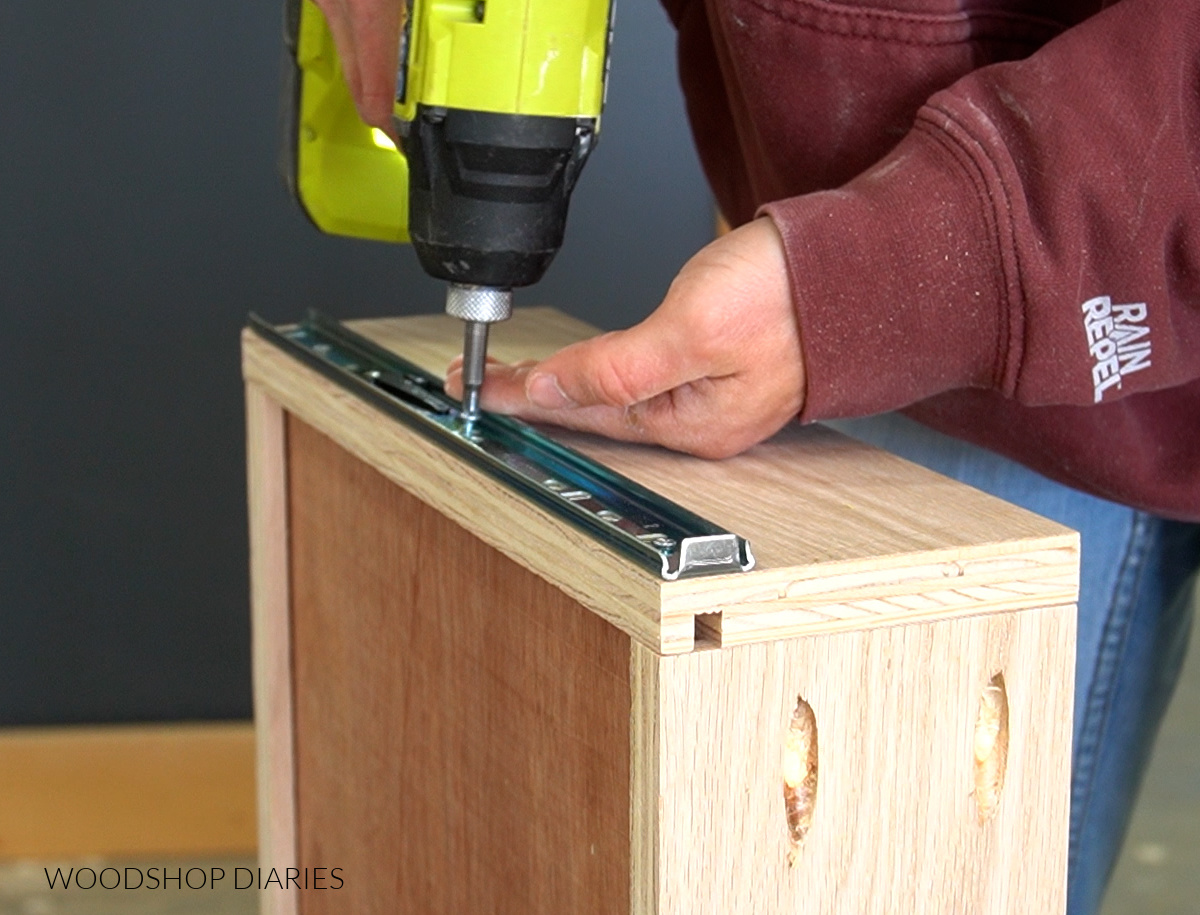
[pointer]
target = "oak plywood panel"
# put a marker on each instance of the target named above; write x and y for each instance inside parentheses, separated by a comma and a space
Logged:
(607, 584)
(846, 536)
(896, 826)
(856, 500)
(461, 726)
(484, 710)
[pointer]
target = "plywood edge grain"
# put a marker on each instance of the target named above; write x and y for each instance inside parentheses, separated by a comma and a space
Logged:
(882, 591)
(645, 778)
(127, 790)
(270, 602)
(624, 594)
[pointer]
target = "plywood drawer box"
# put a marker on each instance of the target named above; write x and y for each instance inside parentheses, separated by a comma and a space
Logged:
(469, 706)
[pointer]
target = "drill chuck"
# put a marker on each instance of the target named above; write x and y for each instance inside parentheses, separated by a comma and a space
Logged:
(485, 304)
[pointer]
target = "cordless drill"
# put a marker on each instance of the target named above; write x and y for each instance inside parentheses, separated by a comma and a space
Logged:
(497, 107)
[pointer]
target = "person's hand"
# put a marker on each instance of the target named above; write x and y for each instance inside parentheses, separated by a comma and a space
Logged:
(715, 369)
(367, 36)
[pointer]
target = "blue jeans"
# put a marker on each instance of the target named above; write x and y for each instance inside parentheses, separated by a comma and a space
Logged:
(1135, 615)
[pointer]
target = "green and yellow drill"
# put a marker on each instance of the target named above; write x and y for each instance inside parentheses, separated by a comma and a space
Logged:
(497, 107)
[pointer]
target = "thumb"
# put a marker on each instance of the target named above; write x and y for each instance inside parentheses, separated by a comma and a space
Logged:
(376, 37)
(617, 369)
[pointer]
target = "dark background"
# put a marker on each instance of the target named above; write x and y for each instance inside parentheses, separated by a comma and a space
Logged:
(141, 218)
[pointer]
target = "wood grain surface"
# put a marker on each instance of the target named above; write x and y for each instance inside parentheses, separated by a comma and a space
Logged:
(645, 778)
(271, 640)
(895, 826)
(461, 726)
(846, 536)
(487, 711)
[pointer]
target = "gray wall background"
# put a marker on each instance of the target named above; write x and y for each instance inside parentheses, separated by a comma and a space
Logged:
(141, 218)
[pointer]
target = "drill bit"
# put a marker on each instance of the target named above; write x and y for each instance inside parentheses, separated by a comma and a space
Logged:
(478, 306)
(475, 340)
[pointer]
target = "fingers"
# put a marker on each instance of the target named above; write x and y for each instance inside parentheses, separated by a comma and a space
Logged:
(708, 418)
(338, 19)
(503, 385)
(376, 25)
(613, 384)
(367, 36)
(717, 368)
(617, 369)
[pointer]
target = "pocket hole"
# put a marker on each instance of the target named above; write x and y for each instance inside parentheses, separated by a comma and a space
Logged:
(991, 747)
(799, 775)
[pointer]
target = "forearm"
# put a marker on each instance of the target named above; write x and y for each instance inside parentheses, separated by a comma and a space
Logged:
(1025, 191)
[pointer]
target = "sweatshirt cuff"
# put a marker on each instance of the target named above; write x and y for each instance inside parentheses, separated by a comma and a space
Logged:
(898, 283)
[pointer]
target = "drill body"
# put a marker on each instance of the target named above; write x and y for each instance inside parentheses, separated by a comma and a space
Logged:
(498, 106)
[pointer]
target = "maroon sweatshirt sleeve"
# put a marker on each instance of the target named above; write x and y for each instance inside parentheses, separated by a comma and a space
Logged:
(1036, 234)
(1017, 263)
(1023, 269)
